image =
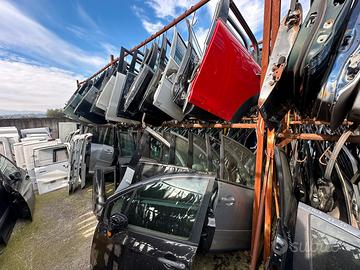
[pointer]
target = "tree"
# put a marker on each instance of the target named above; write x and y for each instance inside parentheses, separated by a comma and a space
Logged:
(55, 113)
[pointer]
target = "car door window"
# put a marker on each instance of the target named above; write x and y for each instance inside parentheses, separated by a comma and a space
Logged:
(8, 169)
(2, 148)
(168, 206)
(158, 150)
(127, 143)
(46, 157)
(60, 155)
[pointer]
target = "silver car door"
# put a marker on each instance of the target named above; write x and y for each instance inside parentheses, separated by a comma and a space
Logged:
(163, 98)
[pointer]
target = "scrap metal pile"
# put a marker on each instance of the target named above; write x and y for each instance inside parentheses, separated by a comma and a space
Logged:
(309, 103)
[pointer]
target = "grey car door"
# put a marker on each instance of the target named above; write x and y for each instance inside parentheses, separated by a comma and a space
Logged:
(165, 217)
(233, 216)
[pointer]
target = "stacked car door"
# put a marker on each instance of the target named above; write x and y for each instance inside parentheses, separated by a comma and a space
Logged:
(317, 42)
(225, 92)
(124, 78)
(163, 98)
(339, 91)
(146, 105)
(84, 106)
(51, 167)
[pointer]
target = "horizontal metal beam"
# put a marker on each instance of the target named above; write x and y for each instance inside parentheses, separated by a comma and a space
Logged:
(317, 137)
(197, 125)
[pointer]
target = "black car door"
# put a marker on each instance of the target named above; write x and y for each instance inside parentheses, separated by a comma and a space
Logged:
(165, 217)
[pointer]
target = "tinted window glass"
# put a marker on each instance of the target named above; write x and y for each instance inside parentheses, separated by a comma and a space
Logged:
(8, 169)
(168, 206)
(127, 143)
(158, 151)
(119, 206)
(239, 163)
(333, 247)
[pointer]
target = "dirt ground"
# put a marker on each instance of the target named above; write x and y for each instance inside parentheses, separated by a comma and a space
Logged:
(59, 237)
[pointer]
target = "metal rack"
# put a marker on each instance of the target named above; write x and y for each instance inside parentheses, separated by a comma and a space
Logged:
(265, 192)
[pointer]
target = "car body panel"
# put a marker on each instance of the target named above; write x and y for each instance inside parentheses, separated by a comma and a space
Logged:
(233, 215)
(83, 108)
(122, 79)
(51, 167)
(312, 53)
(228, 89)
(104, 98)
(142, 80)
(146, 104)
(324, 242)
(17, 198)
(136, 247)
(101, 156)
(6, 148)
(163, 98)
(77, 161)
(338, 92)
(28, 148)
(270, 92)
(42, 131)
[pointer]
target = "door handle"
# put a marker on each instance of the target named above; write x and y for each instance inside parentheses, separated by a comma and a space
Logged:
(42, 171)
(177, 265)
(229, 200)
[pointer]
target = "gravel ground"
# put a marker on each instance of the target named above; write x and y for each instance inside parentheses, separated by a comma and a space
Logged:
(59, 237)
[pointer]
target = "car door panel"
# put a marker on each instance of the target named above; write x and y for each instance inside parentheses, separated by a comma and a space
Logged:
(144, 244)
(339, 90)
(163, 98)
(233, 217)
(329, 242)
(51, 168)
(220, 91)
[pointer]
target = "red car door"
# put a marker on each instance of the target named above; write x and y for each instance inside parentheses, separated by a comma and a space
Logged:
(228, 80)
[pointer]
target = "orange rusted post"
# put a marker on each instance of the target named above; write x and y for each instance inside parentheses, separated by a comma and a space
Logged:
(275, 23)
(157, 34)
(258, 207)
(268, 192)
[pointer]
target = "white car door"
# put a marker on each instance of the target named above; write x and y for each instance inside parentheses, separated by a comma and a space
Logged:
(51, 167)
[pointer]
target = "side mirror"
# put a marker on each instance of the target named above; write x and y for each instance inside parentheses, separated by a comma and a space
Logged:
(118, 222)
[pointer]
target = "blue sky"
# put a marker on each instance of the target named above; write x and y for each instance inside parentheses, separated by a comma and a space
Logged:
(45, 45)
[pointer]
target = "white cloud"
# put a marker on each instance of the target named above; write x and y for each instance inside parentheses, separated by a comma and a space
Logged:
(151, 28)
(21, 33)
(201, 35)
(29, 87)
(170, 8)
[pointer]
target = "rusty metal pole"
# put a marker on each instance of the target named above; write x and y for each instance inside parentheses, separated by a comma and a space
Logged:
(275, 23)
(260, 136)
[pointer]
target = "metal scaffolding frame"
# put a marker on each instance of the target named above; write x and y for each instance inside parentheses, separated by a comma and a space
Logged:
(265, 192)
